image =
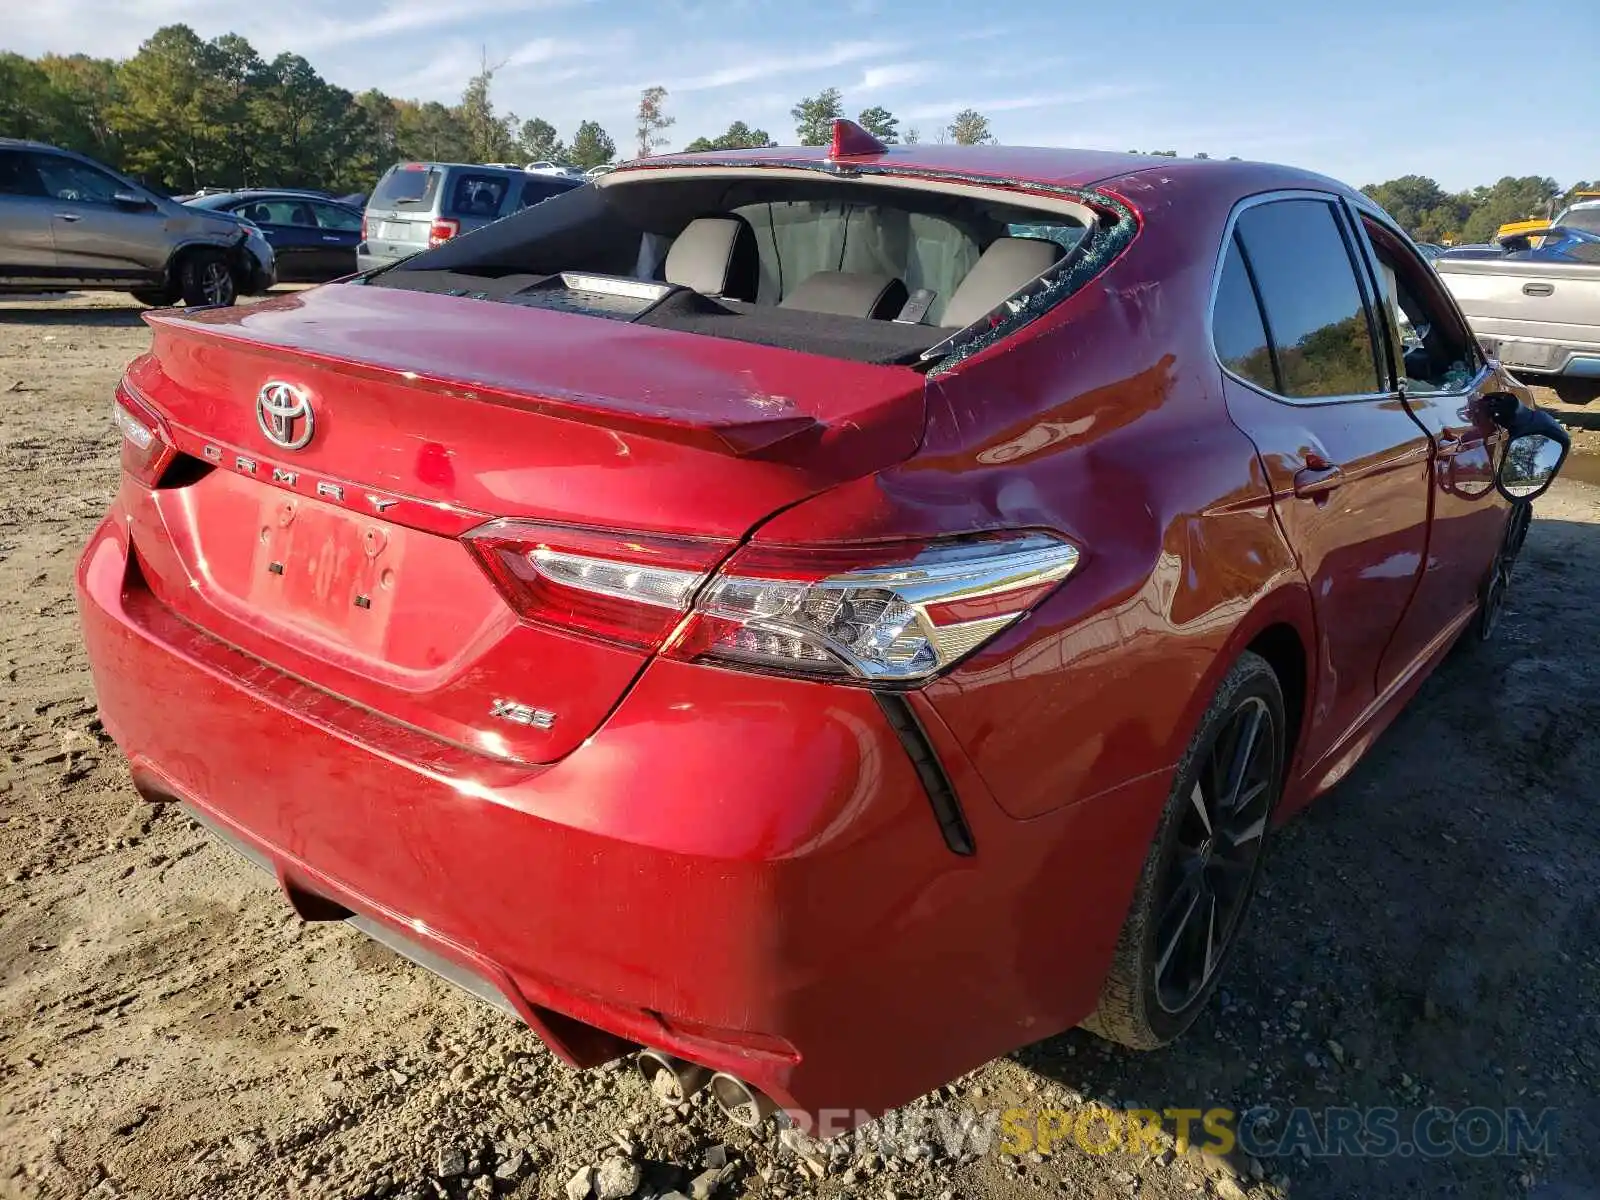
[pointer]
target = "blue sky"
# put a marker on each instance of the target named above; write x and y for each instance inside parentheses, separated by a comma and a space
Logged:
(1362, 90)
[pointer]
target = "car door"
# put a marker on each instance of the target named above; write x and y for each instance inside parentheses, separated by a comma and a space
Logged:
(291, 230)
(338, 232)
(27, 247)
(1445, 382)
(95, 236)
(1347, 464)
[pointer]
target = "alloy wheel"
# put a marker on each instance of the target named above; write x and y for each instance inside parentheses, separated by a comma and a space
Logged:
(216, 283)
(1213, 861)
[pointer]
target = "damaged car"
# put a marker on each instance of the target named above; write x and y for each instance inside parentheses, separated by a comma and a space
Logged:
(817, 619)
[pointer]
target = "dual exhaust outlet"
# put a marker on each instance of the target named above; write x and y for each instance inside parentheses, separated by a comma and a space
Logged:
(673, 1080)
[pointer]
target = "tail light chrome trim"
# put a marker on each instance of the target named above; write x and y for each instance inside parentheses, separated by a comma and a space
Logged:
(878, 613)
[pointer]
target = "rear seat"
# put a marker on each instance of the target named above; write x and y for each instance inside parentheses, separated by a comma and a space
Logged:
(1005, 266)
(844, 294)
(716, 256)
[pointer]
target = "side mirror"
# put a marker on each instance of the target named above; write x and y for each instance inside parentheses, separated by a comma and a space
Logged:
(1538, 446)
(130, 200)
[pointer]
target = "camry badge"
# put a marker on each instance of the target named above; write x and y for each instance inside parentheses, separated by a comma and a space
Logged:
(284, 413)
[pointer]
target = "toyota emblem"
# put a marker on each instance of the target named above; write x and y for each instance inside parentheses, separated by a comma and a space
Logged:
(284, 413)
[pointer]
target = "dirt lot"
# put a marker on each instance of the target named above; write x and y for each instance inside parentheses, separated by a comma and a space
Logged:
(1427, 936)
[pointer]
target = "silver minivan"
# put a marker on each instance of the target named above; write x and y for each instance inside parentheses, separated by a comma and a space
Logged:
(417, 205)
(68, 223)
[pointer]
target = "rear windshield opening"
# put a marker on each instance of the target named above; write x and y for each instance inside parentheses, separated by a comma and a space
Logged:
(405, 186)
(848, 268)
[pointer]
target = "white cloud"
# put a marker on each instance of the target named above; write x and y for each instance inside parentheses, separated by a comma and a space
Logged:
(998, 104)
(892, 74)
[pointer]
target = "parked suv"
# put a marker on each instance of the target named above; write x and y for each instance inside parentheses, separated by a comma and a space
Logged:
(68, 223)
(417, 205)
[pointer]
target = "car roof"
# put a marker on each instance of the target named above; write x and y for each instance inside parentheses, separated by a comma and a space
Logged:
(1047, 165)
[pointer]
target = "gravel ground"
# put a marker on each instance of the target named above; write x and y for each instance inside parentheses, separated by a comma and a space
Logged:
(1426, 936)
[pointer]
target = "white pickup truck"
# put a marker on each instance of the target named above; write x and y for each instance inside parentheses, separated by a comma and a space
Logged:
(1541, 319)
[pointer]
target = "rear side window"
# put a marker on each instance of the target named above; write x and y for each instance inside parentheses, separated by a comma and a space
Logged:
(477, 195)
(535, 190)
(1236, 325)
(17, 175)
(410, 185)
(1313, 304)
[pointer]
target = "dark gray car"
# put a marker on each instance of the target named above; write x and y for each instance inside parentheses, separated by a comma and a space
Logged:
(68, 223)
(417, 205)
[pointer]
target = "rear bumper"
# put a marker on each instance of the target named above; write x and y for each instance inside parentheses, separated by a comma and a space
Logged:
(1546, 356)
(742, 870)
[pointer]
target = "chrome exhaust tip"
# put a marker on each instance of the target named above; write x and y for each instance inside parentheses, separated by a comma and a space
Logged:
(744, 1106)
(671, 1079)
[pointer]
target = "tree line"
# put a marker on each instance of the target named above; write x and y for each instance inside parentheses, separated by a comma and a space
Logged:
(185, 113)
(1430, 214)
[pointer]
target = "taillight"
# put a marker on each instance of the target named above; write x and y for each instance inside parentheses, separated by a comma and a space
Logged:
(363, 227)
(442, 230)
(626, 588)
(870, 613)
(146, 448)
(878, 613)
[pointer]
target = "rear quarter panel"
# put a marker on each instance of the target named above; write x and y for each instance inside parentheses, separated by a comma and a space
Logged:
(1104, 421)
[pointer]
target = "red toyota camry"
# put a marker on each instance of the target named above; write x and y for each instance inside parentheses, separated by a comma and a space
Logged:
(824, 617)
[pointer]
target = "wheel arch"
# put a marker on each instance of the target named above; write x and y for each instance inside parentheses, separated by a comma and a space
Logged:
(189, 246)
(1281, 628)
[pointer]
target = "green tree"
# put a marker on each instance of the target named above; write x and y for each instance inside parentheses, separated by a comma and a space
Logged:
(880, 123)
(431, 131)
(30, 107)
(652, 120)
(165, 114)
(592, 146)
(814, 117)
(488, 134)
(1510, 199)
(738, 137)
(540, 142)
(970, 128)
(84, 90)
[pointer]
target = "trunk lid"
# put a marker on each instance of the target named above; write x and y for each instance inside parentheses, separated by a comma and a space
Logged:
(341, 561)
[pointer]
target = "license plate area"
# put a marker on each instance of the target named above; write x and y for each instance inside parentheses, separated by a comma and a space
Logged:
(334, 574)
(1533, 355)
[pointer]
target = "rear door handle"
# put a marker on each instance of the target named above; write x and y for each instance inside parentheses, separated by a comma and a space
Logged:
(1538, 289)
(1317, 478)
(69, 216)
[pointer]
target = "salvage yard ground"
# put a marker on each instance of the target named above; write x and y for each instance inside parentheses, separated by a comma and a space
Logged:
(1429, 934)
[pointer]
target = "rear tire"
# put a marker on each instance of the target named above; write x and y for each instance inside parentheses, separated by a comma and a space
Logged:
(1201, 872)
(205, 279)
